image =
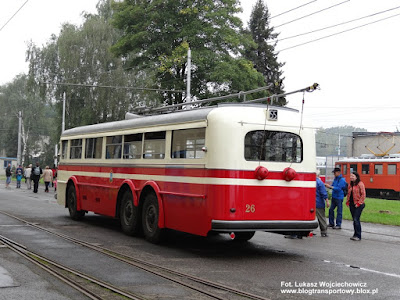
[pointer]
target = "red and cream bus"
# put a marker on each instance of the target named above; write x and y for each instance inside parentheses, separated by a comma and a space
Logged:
(233, 168)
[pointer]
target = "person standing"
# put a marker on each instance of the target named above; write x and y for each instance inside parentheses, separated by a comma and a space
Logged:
(321, 199)
(338, 185)
(48, 178)
(18, 173)
(36, 173)
(54, 175)
(8, 175)
(28, 172)
(355, 201)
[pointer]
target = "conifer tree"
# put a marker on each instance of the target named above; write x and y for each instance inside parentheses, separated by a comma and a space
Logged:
(264, 55)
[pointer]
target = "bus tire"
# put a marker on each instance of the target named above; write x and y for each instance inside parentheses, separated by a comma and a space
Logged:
(150, 216)
(129, 216)
(72, 204)
(243, 236)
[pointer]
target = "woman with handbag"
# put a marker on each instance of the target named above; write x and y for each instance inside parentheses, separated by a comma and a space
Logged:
(355, 201)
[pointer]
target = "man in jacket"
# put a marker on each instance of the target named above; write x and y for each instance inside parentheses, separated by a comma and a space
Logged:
(339, 183)
(8, 175)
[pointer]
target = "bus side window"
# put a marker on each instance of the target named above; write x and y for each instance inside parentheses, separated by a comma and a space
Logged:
(154, 145)
(64, 148)
(93, 147)
(188, 143)
(76, 149)
(114, 147)
(133, 146)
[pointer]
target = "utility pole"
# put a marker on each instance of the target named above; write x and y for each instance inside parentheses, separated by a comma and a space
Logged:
(338, 152)
(56, 155)
(63, 115)
(19, 138)
(188, 76)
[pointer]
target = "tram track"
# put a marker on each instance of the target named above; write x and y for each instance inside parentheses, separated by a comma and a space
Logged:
(205, 287)
(69, 276)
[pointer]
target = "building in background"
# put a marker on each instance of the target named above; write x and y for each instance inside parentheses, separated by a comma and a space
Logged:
(4, 161)
(377, 144)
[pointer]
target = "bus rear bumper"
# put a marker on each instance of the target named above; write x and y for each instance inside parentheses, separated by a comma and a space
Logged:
(273, 226)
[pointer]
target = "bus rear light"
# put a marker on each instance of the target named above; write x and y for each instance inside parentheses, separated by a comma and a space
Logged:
(232, 235)
(261, 172)
(289, 174)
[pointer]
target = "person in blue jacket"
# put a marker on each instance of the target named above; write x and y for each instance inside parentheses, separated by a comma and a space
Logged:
(338, 185)
(321, 199)
(18, 172)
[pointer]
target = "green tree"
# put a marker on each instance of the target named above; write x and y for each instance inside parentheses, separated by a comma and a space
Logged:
(327, 140)
(36, 126)
(263, 55)
(78, 60)
(157, 34)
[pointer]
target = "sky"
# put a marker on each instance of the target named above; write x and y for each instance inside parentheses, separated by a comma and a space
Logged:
(358, 70)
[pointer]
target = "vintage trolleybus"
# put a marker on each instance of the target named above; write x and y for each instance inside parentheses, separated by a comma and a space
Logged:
(234, 168)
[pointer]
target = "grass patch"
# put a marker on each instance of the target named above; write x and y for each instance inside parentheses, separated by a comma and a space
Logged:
(14, 179)
(379, 211)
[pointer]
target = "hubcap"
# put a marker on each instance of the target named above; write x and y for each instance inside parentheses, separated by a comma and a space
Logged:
(128, 212)
(151, 218)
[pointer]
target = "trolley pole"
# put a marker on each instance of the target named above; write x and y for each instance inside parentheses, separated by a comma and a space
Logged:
(19, 138)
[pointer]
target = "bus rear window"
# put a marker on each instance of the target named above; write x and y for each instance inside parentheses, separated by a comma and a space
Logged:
(188, 143)
(274, 146)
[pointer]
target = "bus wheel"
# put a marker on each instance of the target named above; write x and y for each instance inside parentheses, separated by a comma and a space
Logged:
(150, 215)
(129, 214)
(72, 204)
(243, 236)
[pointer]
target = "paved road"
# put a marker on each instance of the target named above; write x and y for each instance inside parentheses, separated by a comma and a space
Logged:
(269, 265)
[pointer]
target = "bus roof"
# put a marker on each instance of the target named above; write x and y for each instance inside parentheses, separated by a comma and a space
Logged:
(182, 116)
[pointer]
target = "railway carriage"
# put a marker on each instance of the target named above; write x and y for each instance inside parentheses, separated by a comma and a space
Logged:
(381, 175)
(233, 168)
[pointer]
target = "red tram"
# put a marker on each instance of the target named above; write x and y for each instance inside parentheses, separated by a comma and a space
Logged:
(381, 175)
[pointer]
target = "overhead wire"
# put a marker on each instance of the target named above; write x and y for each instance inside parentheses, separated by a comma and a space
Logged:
(113, 87)
(337, 33)
(12, 17)
(336, 25)
(314, 13)
(290, 10)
